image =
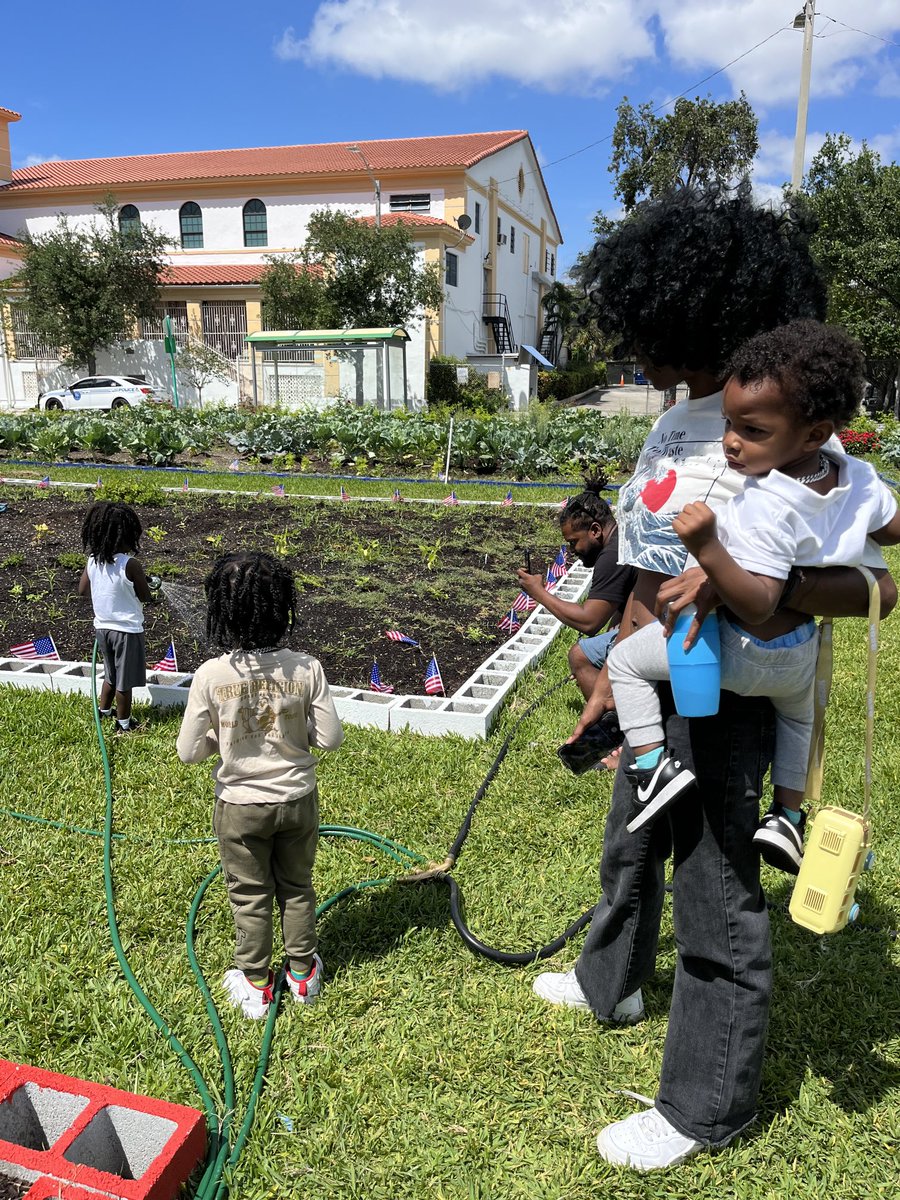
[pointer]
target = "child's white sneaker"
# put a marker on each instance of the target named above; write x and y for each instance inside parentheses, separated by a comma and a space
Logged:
(306, 990)
(252, 1000)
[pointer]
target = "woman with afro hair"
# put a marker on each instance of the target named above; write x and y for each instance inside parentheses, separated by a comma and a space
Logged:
(681, 283)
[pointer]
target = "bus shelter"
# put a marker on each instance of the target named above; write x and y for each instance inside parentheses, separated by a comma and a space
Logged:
(323, 366)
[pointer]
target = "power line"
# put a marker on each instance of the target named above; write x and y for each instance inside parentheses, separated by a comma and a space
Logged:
(852, 29)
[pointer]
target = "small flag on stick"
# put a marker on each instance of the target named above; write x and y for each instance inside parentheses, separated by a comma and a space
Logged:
(45, 482)
(375, 683)
(507, 501)
(565, 503)
(168, 662)
(433, 681)
(185, 484)
(509, 621)
(451, 499)
(397, 498)
(345, 495)
(43, 648)
(523, 603)
(277, 489)
(99, 484)
(396, 636)
(234, 465)
(558, 569)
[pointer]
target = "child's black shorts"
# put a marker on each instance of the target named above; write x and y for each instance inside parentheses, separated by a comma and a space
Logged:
(124, 658)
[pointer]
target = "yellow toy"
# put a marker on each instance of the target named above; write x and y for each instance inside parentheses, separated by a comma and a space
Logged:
(838, 847)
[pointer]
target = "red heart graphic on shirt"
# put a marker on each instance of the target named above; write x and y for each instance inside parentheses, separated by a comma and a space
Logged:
(655, 493)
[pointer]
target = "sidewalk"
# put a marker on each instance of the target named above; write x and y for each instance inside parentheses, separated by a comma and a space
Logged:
(638, 399)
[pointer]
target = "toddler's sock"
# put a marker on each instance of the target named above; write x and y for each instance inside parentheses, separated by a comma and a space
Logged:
(105, 712)
(300, 977)
(646, 762)
(792, 814)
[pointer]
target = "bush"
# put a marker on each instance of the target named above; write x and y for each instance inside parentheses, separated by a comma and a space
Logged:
(560, 385)
(131, 489)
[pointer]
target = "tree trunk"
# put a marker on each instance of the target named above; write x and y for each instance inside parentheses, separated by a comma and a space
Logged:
(92, 364)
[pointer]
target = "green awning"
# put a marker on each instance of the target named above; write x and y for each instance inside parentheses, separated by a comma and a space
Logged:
(327, 337)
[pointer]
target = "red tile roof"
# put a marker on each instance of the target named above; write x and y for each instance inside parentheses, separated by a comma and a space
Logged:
(212, 274)
(413, 219)
(6, 239)
(8, 115)
(390, 154)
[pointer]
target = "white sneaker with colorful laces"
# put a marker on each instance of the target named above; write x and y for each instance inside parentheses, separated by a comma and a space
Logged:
(252, 1000)
(306, 991)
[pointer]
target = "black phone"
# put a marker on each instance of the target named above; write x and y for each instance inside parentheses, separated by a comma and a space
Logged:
(595, 743)
(528, 561)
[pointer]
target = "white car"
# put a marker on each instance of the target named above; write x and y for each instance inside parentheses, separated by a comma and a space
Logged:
(101, 392)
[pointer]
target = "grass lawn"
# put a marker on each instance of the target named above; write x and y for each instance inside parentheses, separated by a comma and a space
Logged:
(425, 1071)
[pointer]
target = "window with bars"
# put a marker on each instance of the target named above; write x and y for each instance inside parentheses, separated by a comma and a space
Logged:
(451, 269)
(512, 239)
(152, 329)
(28, 343)
(225, 326)
(419, 202)
(190, 218)
(129, 220)
(256, 231)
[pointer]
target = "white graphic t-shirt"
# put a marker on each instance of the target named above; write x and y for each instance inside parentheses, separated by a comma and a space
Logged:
(682, 460)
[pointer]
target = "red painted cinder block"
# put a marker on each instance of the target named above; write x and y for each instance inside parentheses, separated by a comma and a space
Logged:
(54, 1189)
(110, 1142)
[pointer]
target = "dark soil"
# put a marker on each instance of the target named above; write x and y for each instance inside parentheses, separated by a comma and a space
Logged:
(12, 1189)
(441, 575)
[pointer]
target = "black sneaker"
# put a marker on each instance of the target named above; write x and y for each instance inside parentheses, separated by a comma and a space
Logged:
(780, 841)
(129, 728)
(655, 788)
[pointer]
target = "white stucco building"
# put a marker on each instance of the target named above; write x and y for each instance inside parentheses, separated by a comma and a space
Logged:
(225, 210)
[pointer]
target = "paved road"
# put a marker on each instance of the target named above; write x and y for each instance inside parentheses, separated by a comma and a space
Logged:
(641, 400)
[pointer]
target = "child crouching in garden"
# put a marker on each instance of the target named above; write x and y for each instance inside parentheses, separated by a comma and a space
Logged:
(260, 707)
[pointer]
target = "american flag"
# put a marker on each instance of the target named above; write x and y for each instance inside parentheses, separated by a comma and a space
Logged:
(451, 499)
(234, 465)
(168, 662)
(345, 495)
(43, 647)
(185, 484)
(99, 483)
(45, 482)
(396, 636)
(396, 496)
(565, 504)
(375, 684)
(523, 603)
(507, 501)
(277, 489)
(433, 681)
(509, 621)
(558, 569)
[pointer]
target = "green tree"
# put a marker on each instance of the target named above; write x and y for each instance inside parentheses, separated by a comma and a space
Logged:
(200, 365)
(349, 274)
(698, 143)
(83, 289)
(568, 314)
(856, 199)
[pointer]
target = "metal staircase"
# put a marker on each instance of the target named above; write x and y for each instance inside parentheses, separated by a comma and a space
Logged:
(548, 343)
(496, 315)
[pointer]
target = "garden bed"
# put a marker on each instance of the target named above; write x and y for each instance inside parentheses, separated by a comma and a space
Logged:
(444, 576)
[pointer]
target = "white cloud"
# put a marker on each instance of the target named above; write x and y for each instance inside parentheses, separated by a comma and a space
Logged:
(580, 47)
(570, 46)
(35, 160)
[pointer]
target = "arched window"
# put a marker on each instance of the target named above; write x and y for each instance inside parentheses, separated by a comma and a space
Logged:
(256, 232)
(129, 219)
(191, 220)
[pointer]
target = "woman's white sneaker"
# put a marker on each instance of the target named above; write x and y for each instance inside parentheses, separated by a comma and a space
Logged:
(645, 1141)
(562, 987)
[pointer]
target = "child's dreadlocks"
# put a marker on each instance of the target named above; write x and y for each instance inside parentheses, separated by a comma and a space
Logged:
(251, 601)
(110, 528)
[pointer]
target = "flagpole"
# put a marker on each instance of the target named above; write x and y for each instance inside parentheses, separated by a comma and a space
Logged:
(449, 445)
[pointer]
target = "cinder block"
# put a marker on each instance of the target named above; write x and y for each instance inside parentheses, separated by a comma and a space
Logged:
(110, 1142)
(54, 1189)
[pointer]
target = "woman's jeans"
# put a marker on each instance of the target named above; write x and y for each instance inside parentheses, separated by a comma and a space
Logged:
(712, 1062)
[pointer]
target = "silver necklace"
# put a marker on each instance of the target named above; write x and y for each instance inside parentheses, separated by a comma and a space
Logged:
(824, 468)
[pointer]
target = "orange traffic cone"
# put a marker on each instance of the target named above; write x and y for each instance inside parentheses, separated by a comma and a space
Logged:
(622, 379)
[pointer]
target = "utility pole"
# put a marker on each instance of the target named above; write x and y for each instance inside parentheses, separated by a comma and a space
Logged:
(803, 20)
(376, 185)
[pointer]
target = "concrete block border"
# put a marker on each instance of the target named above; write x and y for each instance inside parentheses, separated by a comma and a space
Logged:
(68, 1137)
(469, 712)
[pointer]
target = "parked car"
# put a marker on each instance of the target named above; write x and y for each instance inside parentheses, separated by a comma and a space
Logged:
(102, 392)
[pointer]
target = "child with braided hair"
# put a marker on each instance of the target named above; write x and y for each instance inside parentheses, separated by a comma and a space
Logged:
(119, 589)
(260, 707)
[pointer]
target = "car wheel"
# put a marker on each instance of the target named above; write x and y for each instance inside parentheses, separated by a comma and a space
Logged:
(119, 403)
(52, 405)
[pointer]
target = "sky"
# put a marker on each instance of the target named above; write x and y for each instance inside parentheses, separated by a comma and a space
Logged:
(100, 79)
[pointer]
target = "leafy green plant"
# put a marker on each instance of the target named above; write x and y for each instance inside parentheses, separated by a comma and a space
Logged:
(430, 552)
(131, 489)
(15, 559)
(156, 533)
(283, 543)
(70, 560)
